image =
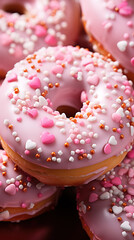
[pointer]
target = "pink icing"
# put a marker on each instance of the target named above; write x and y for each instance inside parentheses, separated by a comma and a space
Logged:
(102, 126)
(112, 25)
(108, 212)
(22, 34)
(12, 192)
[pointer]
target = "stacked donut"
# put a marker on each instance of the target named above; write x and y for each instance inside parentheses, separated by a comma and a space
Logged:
(67, 116)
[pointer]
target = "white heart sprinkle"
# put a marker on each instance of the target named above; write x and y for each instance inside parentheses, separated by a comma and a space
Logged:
(112, 140)
(122, 45)
(120, 112)
(105, 195)
(125, 226)
(30, 145)
(117, 210)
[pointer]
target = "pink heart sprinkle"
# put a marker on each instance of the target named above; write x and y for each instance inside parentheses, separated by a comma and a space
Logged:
(40, 31)
(47, 138)
(93, 197)
(116, 181)
(107, 149)
(116, 117)
(129, 209)
(47, 123)
(32, 112)
(93, 80)
(130, 190)
(10, 189)
(35, 83)
(12, 78)
(57, 69)
(51, 40)
(131, 154)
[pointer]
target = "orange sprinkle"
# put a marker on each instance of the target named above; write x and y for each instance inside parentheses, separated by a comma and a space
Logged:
(10, 126)
(80, 157)
(38, 70)
(116, 86)
(119, 219)
(24, 189)
(133, 234)
(124, 204)
(87, 102)
(97, 106)
(25, 70)
(121, 126)
(44, 93)
(121, 136)
(121, 97)
(37, 155)
(50, 85)
(123, 105)
(132, 123)
(116, 9)
(88, 207)
(63, 65)
(33, 66)
(93, 188)
(114, 129)
(5, 163)
(16, 90)
(48, 159)
(29, 61)
(53, 154)
(39, 61)
(128, 117)
(84, 155)
(92, 151)
(66, 144)
(57, 84)
(110, 210)
(4, 174)
(102, 126)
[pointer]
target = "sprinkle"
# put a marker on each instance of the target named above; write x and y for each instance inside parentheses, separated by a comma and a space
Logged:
(47, 138)
(30, 145)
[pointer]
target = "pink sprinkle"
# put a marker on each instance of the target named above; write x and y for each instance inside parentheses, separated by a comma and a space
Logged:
(86, 61)
(88, 140)
(11, 189)
(33, 113)
(93, 197)
(57, 69)
(126, 36)
(0, 183)
(108, 85)
(107, 149)
(131, 154)
(129, 209)
(17, 183)
(35, 83)
(127, 197)
(106, 184)
(23, 205)
(132, 108)
(127, 92)
(122, 171)
(130, 24)
(19, 119)
(132, 61)
(55, 5)
(131, 182)
(40, 31)
(116, 117)
(118, 130)
(131, 172)
(29, 179)
(10, 95)
(130, 191)
(47, 138)
(59, 56)
(47, 123)
(126, 11)
(27, 152)
(51, 40)
(93, 80)
(40, 195)
(76, 141)
(84, 97)
(116, 181)
(12, 78)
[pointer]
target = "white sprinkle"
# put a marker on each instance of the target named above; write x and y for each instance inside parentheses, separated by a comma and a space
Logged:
(19, 177)
(60, 153)
(17, 139)
(30, 145)
(105, 195)
(39, 150)
(112, 140)
(117, 210)
(6, 122)
(59, 160)
(125, 226)
(40, 185)
(20, 186)
(124, 234)
(60, 124)
(122, 45)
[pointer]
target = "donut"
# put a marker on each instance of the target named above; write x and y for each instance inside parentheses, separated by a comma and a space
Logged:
(22, 196)
(26, 26)
(111, 27)
(67, 115)
(106, 205)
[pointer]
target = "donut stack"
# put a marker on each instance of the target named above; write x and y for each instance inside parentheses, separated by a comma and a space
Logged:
(67, 113)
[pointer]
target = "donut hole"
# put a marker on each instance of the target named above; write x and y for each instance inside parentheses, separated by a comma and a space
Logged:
(68, 110)
(14, 8)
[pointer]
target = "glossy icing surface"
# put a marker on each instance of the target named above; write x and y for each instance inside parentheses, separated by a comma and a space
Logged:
(107, 205)
(112, 25)
(66, 76)
(36, 24)
(19, 190)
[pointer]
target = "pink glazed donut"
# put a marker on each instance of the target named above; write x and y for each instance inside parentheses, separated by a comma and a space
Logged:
(111, 28)
(67, 115)
(27, 25)
(106, 205)
(21, 196)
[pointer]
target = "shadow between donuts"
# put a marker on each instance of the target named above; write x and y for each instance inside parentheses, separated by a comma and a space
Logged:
(14, 8)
